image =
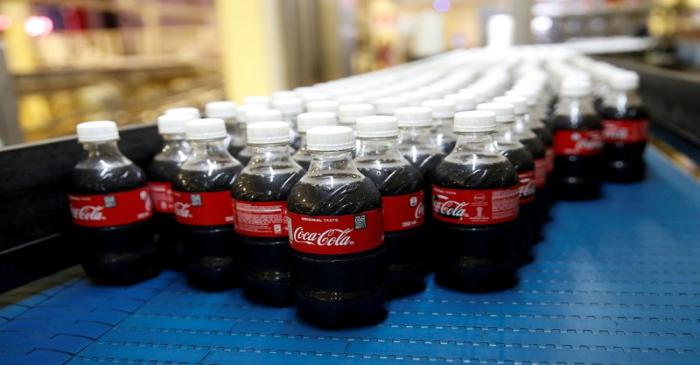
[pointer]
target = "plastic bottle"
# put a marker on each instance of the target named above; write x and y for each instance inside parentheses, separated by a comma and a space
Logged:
(443, 119)
(111, 210)
(401, 186)
(475, 209)
(227, 111)
(290, 107)
(578, 142)
(336, 236)
(240, 129)
(625, 129)
(256, 116)
(260, 213)
(162, 172)
(203, 208)
(305, 122)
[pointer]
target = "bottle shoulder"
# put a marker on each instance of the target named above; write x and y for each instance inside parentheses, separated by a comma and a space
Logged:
(266, 183)
(89, 179)
(334, 195)
(480, 175)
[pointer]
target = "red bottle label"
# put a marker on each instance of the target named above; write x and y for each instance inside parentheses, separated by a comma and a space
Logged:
(162, 196)
(204, 208)
(402, 212)
(109, 210)
(578, 143)
(625, 130)
(336, 234)
(475, 207)
(550, 159)
(540, 172)
(527, 186)
(260, 219)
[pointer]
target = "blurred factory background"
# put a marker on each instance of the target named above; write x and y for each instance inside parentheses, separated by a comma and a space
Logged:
(66, 61)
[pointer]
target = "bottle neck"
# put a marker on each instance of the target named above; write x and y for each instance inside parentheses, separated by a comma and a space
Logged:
(621, 99)
(415, 134)
(522, 126)
(268, 154)
(101, 150)
(476, 143)
(378, 148)
(331, 162)
(575, 105)
(209, 148)
(302, 141)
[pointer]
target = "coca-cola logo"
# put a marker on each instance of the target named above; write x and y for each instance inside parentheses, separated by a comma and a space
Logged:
(593, 142)
(182, 210)
(420, 210)
(88, 213)
(329, 237)
(454, 209)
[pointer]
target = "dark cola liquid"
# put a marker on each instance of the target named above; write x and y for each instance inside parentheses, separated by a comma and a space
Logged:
(115, 255)
(164, 224)
(303, 160)
(545, 135)
(624, 162)
(244, 155)
(234, 150)
(338, 290)
(522, 160)
(577, 177)
(476, 258)
(209, 250)
(405, 262)
(538, 151)
(265, 260)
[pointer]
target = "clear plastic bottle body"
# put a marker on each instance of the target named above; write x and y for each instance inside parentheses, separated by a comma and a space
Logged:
(302, 156)
(626, 124)
(401, 186)
(578, 145)
(337, 290)
(294, 136)
(474, 257)
(119, 254)
(237, 139)
(262, 187)
(205, 178)
(162, 172)
(445, 138)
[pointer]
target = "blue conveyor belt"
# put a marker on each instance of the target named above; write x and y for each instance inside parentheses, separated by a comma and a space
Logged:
(617, 281)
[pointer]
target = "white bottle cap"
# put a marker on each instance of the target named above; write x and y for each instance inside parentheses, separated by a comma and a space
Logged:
(388, 105)
(624, 80)
(575, 85)
(257, 99)
(519, 103)
(330, 138)
(377, 126)
(475, 121)
(529, 94)
(220, 109)
(349, 113)
(289, 105)
(463, 101)
(351, 99)
(268, 133)
(306, 121)
(172, 123)
(188, 110)
(314, 96)
(505, 112)
(242, 114)
(265, 115)
(97, 131)
(442, 108)
(322, 106)
(207, 128)
(414, 116)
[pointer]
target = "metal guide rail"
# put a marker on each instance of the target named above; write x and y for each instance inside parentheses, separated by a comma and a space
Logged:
(617, 281)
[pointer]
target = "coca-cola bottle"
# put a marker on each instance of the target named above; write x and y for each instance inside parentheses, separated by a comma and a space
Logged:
(203, 208)
(578, 142)
(443, 117)
(227, 111)
(336, 235)
(534, 145)
(415, 138)
(305, 122)
(241, 125)
(290, 107)
(162, 172)
(256, 116)
(524, 163)
(111, 210)
(625, 126)
(475, 209)
(401, 186)
(260, 213)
